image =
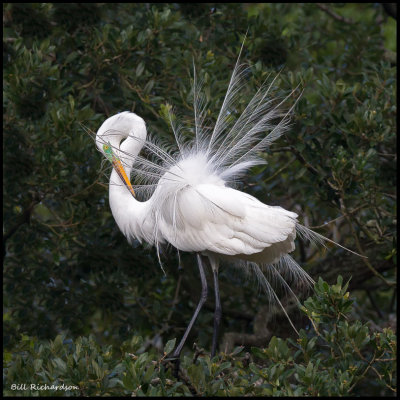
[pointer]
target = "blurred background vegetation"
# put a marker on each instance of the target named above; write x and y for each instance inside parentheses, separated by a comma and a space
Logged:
(68, 66)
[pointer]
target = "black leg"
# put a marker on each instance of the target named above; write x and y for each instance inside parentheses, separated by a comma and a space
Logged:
(203, 298)
(217, 313)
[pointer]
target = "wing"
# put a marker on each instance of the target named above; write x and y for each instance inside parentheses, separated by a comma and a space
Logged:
(219, 219)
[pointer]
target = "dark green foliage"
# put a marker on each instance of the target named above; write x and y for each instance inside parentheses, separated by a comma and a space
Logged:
(334, 358)
(69, 271)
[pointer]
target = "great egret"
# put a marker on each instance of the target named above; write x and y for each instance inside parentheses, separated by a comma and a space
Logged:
(192, 206)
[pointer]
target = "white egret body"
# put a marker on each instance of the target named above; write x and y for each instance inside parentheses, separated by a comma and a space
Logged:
(192, 207)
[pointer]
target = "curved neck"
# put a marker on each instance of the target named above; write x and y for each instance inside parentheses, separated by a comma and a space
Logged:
(127, 211)
(126, 152)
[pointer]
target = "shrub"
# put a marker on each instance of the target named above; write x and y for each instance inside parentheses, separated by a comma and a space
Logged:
(334, 356)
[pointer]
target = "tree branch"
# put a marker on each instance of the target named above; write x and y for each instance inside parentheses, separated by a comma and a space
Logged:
(352, 267)
(338, 17)
(266, 317)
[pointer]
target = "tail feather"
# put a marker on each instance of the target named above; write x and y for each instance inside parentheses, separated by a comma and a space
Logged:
(282, 274)
(314, 237)
(267, 285)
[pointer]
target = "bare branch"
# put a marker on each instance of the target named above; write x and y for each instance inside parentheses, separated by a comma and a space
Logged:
(338, 17)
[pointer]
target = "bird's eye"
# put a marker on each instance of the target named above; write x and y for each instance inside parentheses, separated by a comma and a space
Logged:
(105, 147)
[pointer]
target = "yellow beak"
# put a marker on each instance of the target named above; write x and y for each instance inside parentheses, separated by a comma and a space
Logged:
(122, 174)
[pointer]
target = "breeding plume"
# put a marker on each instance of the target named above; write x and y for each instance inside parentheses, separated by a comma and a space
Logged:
(187, 193)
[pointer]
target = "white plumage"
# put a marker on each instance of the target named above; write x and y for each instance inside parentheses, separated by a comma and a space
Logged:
(192, 207)
(190, 202)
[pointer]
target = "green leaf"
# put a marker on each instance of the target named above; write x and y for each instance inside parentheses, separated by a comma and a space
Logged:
(149, 85)
(258, 353)
(139, 69)
(149, 373)
(169, 346)
(223, 366)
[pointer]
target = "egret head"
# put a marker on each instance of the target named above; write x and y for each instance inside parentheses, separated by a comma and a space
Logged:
(125, 125)
(112, 132)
